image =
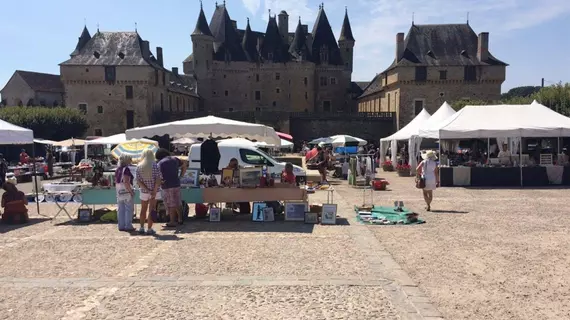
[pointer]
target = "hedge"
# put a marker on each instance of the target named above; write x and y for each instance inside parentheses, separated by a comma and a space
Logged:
(47, 123)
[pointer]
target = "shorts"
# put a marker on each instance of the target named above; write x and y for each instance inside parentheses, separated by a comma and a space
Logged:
(172, 197)
(146, 196)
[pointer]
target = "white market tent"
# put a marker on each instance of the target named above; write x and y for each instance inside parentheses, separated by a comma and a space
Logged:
(12, 134)
(505, 121)
(430, 129)
(405, 133)
(208, 126)
(114, 139)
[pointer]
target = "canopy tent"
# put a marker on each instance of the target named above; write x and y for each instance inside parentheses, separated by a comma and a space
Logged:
(405, 133)
(206, 127)
(12, 134)
(429, 129)
(339, 140)
(184, 142)
(236, 141)
(505, 121)
(284, 136)
(69, 143)
(44, 141)
(286, 144)
(114, 139)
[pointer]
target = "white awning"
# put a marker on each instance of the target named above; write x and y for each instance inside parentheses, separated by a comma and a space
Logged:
(114, 139)
(411, 129)
(12, 134)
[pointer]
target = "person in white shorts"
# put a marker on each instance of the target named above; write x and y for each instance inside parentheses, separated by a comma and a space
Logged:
(149, 179)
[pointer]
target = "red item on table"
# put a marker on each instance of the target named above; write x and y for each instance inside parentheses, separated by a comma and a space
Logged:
(288, 178)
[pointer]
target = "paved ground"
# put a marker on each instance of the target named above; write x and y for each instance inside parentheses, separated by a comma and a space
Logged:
(483, 254)
(229, 270)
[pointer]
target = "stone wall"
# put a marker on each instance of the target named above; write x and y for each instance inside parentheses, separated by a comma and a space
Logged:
(17, 92)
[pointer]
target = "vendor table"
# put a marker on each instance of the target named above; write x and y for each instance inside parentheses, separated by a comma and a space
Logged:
(92, 196)
(532, 176)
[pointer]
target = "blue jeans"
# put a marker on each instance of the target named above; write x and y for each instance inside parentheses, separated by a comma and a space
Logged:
(125, 210)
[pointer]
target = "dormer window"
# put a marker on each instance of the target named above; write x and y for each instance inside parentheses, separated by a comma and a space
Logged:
(430, 53)
(96, 54)
(324, 54)
(121, 55)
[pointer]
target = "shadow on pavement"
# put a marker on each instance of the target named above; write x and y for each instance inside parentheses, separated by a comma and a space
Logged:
(449, 211)
(4, 228)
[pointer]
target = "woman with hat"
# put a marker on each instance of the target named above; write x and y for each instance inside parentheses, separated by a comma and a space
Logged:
(429, 171)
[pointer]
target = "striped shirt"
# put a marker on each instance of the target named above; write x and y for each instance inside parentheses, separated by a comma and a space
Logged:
(148, 182)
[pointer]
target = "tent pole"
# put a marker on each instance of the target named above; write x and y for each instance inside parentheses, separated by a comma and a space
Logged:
(488, 149)
(520, 161)
(558, 150)
(35, 177)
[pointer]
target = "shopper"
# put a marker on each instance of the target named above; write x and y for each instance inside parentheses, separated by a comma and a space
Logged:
(149, 178)
(3, 169)
(169, 169)
(125, 194)
(429, 171)
(14, 203)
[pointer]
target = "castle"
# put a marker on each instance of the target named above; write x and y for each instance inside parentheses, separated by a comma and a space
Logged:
(245, 70)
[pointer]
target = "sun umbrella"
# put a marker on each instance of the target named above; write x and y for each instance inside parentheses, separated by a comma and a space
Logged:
(343, 139)
(320, 140)
(134, 148)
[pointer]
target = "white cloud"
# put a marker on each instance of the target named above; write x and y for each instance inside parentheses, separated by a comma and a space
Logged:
(376, 22)
(252, 5)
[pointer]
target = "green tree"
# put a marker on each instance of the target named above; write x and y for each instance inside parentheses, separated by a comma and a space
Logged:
(525, 91)
(47, 123)
(556, 97)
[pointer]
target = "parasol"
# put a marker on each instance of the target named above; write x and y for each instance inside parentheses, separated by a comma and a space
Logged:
(134, 148)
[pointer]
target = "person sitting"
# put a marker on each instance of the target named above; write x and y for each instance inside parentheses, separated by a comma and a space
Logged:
(287, 176)
(505, 156)
(14, 203)
(244, 207)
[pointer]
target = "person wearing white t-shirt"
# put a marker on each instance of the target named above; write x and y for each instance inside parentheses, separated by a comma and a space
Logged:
(504, 156)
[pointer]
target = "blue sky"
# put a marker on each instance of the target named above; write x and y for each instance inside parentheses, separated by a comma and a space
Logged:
(532, 36)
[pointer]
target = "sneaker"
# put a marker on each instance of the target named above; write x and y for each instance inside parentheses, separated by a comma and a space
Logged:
(151, 232)
(141, 230)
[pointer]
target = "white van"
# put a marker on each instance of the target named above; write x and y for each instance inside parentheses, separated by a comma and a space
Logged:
(246, 155)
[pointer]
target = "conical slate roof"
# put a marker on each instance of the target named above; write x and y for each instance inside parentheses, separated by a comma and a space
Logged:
(346, 31)
(298, 48)
(83, 40)
(202, 27)
(249, 43)
(324, 40)
(227, 43)
(273, 47)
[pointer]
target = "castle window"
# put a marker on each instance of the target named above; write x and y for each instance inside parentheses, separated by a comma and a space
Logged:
(324, 81)
(163, 78)
(324, 54)
(99, 109)
(326, 106)
(389, 103)
(277, 76)
(82, 107)
(470, 73)
(257, 77)
(418, 106)
(226, 93)
(421, 73)
(110, 74)
(277, 90)
(98, 132)
(183, 104)
(129, 92)
(224, 76)
(306, 96)
(257, 95)
(305, 81)
(121, 55)
(333, 81)
(442, 74)
(258, 109)
(275, 103)
(156, 77)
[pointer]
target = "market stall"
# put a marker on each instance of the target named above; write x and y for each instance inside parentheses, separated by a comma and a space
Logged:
(510, 126)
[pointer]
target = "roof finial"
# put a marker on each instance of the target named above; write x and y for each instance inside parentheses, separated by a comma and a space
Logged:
(299, 19)
(97, 26)
(201, 5)
(322, 5)
(413, 17)
(467, 17)
(224, 3)
(346, 9)
(216, 4)
(136, 27)
(269, 12)
(85, 22)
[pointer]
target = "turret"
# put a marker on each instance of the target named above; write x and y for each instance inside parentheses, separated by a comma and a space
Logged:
(346, 43)
(202, 48)
(284, 26)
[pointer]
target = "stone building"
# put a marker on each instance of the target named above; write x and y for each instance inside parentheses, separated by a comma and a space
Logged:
(27, 88)
(433, 64)
(276, 70)
(119, 83)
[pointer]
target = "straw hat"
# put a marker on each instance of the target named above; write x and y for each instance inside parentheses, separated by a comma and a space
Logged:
(430, 154)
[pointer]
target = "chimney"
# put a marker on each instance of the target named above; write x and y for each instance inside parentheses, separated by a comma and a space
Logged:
(399, 46)
(305, 28)
(145, 49)
(483, 46)
(284, 26)
(159, 56)
(234, 24)
(175, 70)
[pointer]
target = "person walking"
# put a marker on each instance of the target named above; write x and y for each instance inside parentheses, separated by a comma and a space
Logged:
(125, 194)
(429, 171)
(3, 169)
(49, 160)
(149, 178)
(169, 167)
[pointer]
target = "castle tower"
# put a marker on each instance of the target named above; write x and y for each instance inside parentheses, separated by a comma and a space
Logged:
(346, 43)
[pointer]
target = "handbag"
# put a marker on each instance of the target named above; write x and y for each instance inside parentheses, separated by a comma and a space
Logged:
(122, 193)
(421, 180)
